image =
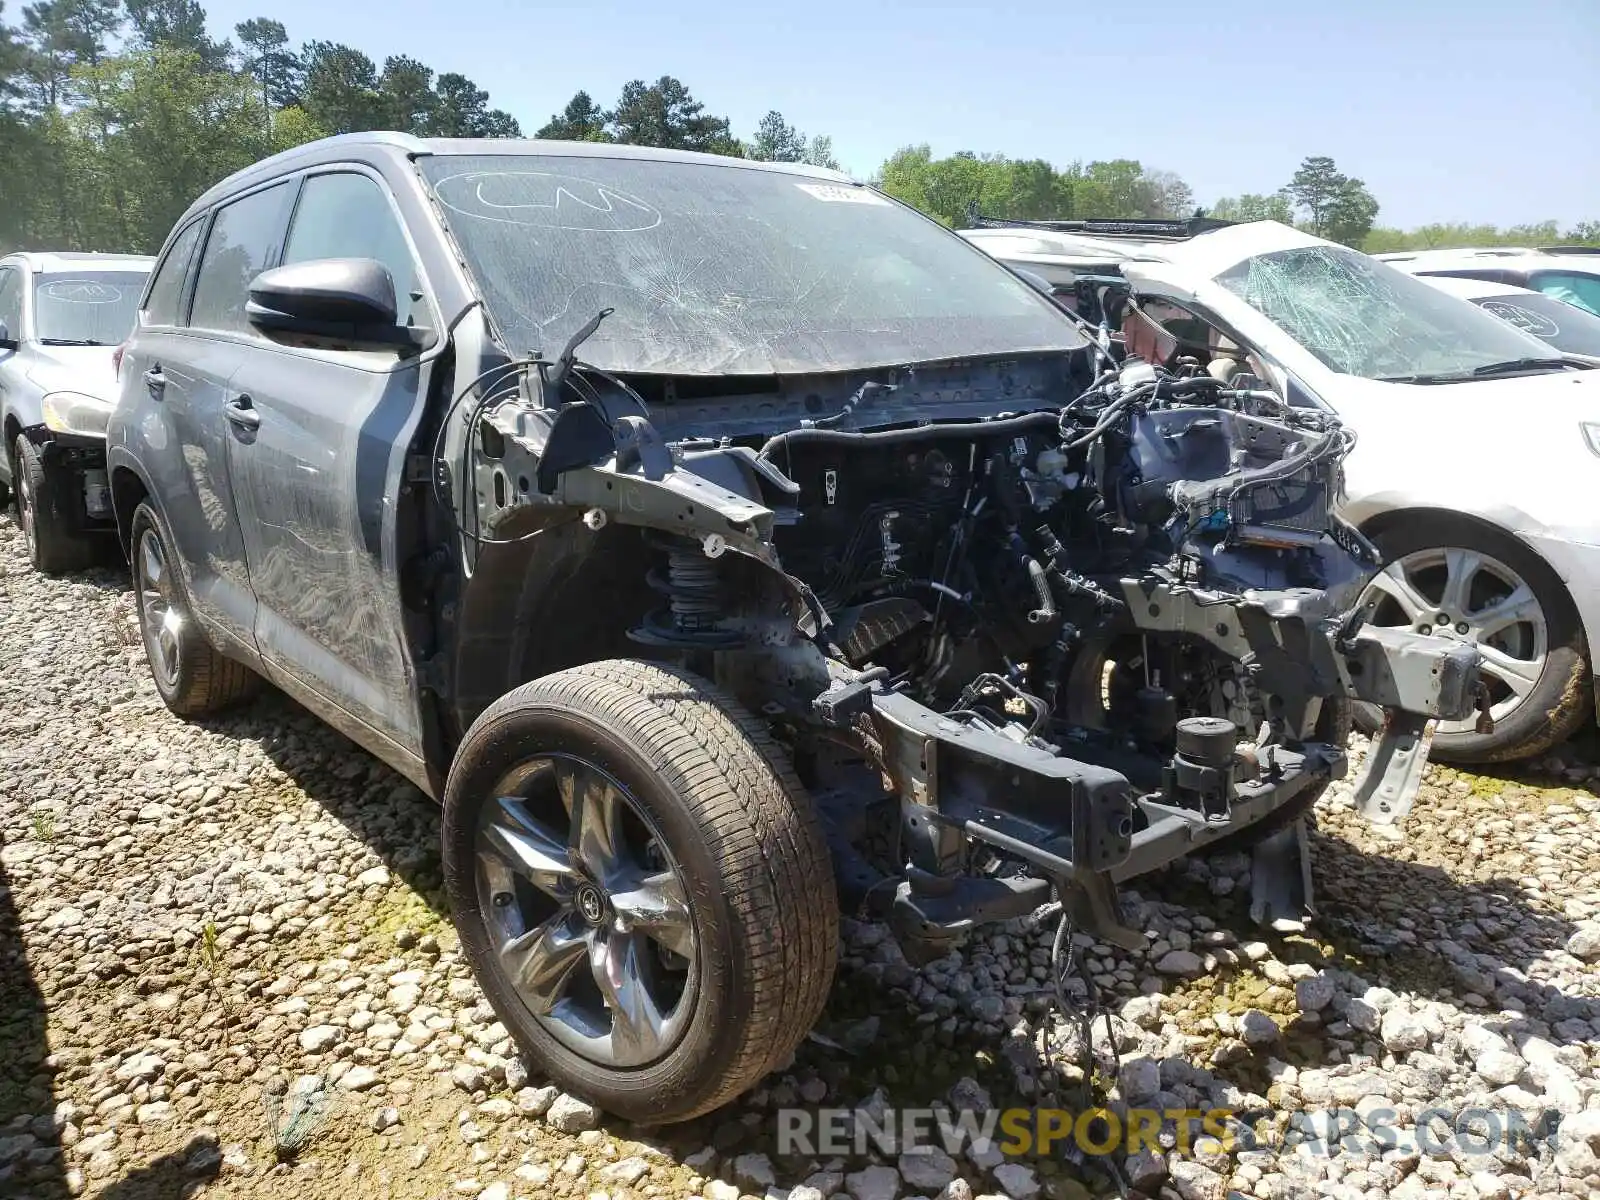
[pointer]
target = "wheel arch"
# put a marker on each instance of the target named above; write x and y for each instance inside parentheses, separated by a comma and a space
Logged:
(129, 489)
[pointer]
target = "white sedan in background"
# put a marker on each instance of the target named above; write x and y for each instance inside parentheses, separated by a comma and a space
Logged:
(1478, 452)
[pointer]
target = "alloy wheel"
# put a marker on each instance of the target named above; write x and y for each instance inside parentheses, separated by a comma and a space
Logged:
(159, 617)
(1470, 596)
(586, 911)
(25, 500)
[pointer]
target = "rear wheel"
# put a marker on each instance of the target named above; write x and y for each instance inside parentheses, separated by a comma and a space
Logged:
(55, 544)
(1453, 578)
(641, 885)
(191, 675)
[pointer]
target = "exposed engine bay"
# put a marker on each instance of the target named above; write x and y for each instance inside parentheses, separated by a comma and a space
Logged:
(1066, 641)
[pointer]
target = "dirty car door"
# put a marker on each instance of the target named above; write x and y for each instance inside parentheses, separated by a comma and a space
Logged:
(185, 352)
(317, 447)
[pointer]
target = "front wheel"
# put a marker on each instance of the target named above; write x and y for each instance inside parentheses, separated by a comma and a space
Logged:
(1447, 577)
(55, 545)
(641, 885)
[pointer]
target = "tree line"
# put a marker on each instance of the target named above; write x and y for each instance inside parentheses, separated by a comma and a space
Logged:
(116, 114)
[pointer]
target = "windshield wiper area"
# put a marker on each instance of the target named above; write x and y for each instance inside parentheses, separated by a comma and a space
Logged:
(1512, 366)
(71, 342)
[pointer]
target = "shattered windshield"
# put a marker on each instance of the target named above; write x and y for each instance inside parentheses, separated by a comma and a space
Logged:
(88, 308)
(716, 269)
(1362, 317)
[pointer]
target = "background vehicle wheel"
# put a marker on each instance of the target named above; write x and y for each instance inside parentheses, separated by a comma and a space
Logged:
(641, 885)
(1454, 578)
(191, 675)
(54, 545)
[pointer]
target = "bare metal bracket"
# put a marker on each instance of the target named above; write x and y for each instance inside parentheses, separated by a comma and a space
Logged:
(1393, 771)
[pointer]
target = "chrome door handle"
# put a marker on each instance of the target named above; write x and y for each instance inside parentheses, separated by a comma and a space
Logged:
(242, 412)
(155, 381)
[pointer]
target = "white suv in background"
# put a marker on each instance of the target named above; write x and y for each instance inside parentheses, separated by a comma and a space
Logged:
(1569, 273)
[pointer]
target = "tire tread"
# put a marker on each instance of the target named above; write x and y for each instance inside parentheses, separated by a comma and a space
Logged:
(765, 833)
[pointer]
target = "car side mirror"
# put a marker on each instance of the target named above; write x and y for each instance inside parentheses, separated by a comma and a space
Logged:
(348, 300)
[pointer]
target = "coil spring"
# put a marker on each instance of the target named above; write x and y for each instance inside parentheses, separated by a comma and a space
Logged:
(692, 584)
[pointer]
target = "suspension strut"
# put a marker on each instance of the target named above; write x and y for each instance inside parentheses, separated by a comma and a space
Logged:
(692, 618)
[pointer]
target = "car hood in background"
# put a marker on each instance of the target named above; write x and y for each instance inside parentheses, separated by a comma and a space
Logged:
(86, 369)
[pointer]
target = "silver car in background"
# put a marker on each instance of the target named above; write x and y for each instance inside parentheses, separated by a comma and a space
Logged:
(62, 317)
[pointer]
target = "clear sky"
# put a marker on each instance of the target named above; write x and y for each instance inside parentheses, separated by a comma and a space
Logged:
(1473, 110)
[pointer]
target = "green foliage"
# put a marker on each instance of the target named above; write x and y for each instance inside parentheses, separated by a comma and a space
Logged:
(176, 25)
(1337, 206)
(1251, 207)
(663, 113)
(820, 153)
(1451, 236)
(581, 121)
(266, 56)
(778, 141)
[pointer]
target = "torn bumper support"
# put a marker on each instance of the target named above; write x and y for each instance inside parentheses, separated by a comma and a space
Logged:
(1083, 826)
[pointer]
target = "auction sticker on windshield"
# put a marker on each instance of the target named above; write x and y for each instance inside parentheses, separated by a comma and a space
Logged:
(841, 193)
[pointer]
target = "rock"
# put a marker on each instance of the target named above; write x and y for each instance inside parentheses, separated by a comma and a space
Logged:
(536, 1101)
(1139, 1079)
(1194, 1181)
(318, 1038)
(101, 1164)
(1313, 994)
(1402, 1032)
(1585, 942)
(989, 1008)
(805, 1192)
(754, 1171)
(1361, 1015)
(1256, 1028)
(627, 1171)
(155, 1114)
(373, 877)
(568, 1114)
(927, 1168)
(358, 1079)
(1498, 1067)
(468, 1078)
(1489, 1186)
(956, 1189)
(1181, 962)
(136, 1068)
(1146, 1171)
(516, 1073)
(874, 1183)
(968, 1095)
(385, 1118)
(1143, 1011)
(1017, 1181)
(718, 1190)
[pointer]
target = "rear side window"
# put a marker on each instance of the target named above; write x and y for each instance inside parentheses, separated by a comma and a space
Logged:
(166, 289)
(1580, 291)
(11, 301)
(346, 215)
(243, 243)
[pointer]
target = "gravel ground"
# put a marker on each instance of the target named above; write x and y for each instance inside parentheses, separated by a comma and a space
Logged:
(225, 967)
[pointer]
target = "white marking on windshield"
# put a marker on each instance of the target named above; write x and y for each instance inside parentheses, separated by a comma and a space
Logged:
(545, 200)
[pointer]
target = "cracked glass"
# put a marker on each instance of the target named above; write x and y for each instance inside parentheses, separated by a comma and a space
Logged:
(1361, 317)
(726, 269)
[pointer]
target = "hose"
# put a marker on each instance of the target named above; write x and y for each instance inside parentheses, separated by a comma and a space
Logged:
(919, 433)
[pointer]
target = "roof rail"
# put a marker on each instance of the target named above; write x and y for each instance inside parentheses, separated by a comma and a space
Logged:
(1168, 227)
(1570, 249)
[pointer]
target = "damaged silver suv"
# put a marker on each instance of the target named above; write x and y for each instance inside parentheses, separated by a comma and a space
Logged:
(723, 543)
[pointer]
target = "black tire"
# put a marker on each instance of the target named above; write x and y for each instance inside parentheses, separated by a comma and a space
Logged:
(746, 838)
(56, 545)
(1561, 700)
(201, 679)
